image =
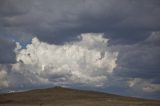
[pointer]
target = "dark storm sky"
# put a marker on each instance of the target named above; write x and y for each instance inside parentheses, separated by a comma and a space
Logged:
(132, 27)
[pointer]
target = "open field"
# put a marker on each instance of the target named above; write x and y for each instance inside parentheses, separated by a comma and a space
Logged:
(70, 97)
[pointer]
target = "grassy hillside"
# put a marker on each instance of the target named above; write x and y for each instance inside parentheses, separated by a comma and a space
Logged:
(59, 96)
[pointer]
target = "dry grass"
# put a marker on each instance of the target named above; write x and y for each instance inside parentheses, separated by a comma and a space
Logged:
(69, 97)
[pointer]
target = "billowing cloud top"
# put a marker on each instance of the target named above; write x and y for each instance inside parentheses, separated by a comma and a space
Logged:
(87, 61)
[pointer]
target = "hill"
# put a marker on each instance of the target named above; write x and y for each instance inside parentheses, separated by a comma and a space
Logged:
(59, 96)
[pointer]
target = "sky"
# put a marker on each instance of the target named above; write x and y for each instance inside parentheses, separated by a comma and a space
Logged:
(104, 45)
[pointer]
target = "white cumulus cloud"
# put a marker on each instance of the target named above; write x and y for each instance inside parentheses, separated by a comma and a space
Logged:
(88, 61)
(144, 85)
(3, 77)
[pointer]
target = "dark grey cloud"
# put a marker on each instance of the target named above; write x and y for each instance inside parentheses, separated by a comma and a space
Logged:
(140, 61)
(127, 37)
(142, 55)
(10, 8)
(53, 18)
(7, 54)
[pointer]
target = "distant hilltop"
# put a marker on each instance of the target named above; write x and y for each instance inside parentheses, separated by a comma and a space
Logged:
(66, 96)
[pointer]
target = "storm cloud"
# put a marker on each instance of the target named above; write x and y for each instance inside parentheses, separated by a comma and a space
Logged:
(63, 19)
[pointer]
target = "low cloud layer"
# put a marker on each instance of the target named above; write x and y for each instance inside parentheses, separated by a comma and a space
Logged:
(88, 61)
(144, 85)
